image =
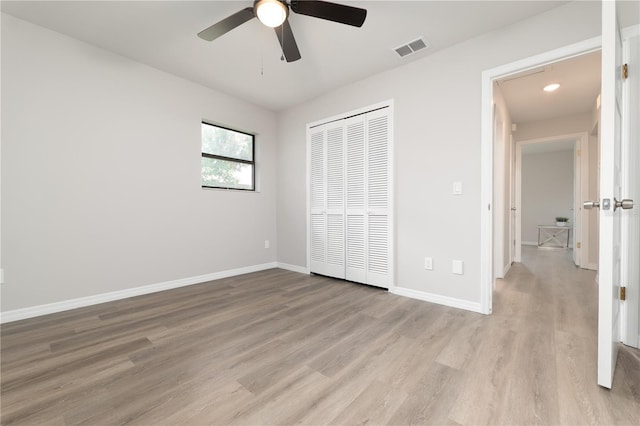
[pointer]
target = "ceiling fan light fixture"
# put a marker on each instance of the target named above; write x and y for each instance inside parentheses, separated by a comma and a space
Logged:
(272, 13)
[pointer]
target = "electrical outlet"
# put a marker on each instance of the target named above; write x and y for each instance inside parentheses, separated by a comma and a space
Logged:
(266, 244)
(428, 263)
(457, 188)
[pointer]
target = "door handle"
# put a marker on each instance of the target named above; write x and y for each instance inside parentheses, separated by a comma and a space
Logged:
(591, 205)
(626, 204)
(513, 209)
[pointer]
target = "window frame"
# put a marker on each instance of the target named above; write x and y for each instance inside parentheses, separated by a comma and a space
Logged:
(252, 162)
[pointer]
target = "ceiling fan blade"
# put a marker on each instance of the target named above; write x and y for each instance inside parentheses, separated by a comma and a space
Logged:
(343, 14)
(287, 42)
(227, 24)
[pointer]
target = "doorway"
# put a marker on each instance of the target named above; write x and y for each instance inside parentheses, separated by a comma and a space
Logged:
(615, 147)
(558, 175)
(525, 68)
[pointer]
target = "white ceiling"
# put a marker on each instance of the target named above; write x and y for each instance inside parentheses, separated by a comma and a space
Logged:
(246, 62)
(579, 80)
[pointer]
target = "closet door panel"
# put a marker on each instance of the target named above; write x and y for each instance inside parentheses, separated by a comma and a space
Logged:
(379, 254)
(356, 193)
(318, 243)
(335, 200)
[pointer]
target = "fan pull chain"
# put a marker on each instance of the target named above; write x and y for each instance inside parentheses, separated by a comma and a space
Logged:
(283, 41)
(262, 52)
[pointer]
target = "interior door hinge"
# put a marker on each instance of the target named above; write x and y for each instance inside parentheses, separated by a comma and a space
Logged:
(625, 71)
(623, 293)
(578, 245)
(578, 153)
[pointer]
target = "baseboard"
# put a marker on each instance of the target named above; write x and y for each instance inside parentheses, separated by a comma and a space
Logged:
(506, 269)
(435, 298)
(529, 243)
(293, 268)
(591, 266)
(51, 308)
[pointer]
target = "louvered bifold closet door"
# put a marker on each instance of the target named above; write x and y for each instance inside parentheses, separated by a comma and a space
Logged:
(355, 200)
(335, 200)
(379, 202)
(318, 201)
(327, 200)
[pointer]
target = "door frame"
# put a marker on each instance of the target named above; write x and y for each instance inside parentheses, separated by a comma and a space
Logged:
(581, 170)
(499, 184)
(486, 151)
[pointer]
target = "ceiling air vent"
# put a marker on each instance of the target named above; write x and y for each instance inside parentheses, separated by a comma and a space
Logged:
(411, 47)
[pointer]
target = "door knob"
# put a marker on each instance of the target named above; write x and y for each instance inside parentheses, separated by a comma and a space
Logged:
(626, 204)
(513, 209)
(591, 205)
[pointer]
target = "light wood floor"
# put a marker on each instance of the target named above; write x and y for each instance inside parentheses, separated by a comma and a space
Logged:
(276, 347)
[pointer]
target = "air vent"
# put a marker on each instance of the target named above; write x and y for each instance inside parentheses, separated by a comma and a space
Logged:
(411, 47)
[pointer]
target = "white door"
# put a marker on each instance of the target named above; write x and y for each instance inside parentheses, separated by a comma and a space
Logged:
(368, 199)
(351, 189)
(498, 197)
(631, 332)
(609, 275)
(379, 199)
(327, 200)
(318, 190)
(512, 203)
(577, 203)
(356, 190)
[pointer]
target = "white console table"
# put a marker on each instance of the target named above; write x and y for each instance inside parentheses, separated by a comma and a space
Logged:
(553, 236)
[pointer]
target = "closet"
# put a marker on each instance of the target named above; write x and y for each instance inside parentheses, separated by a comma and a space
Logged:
(350, 176)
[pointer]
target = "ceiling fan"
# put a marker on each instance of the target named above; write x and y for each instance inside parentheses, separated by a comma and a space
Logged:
(274, 13)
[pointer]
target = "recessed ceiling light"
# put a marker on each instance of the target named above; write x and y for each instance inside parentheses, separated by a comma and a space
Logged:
(551, 87)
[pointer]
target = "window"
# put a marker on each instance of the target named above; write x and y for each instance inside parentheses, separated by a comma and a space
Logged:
(228, 159)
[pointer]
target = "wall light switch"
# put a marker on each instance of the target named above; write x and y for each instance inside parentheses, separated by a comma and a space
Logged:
(266, 244)
(428, 263)
(457, 267)
(457, 188)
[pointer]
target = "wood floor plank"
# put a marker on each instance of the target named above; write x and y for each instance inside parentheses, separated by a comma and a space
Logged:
(580, 399)
(275, 403)
(374, 405)
(532, 389)
(431, 401)
(278, 347)
(483, 389)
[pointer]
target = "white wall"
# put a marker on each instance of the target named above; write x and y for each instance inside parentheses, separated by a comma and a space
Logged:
(101, 174)
(437, 141)
(547, 190)
(556, 126)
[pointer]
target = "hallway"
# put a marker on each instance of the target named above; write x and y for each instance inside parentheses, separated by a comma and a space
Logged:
(552, 306)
